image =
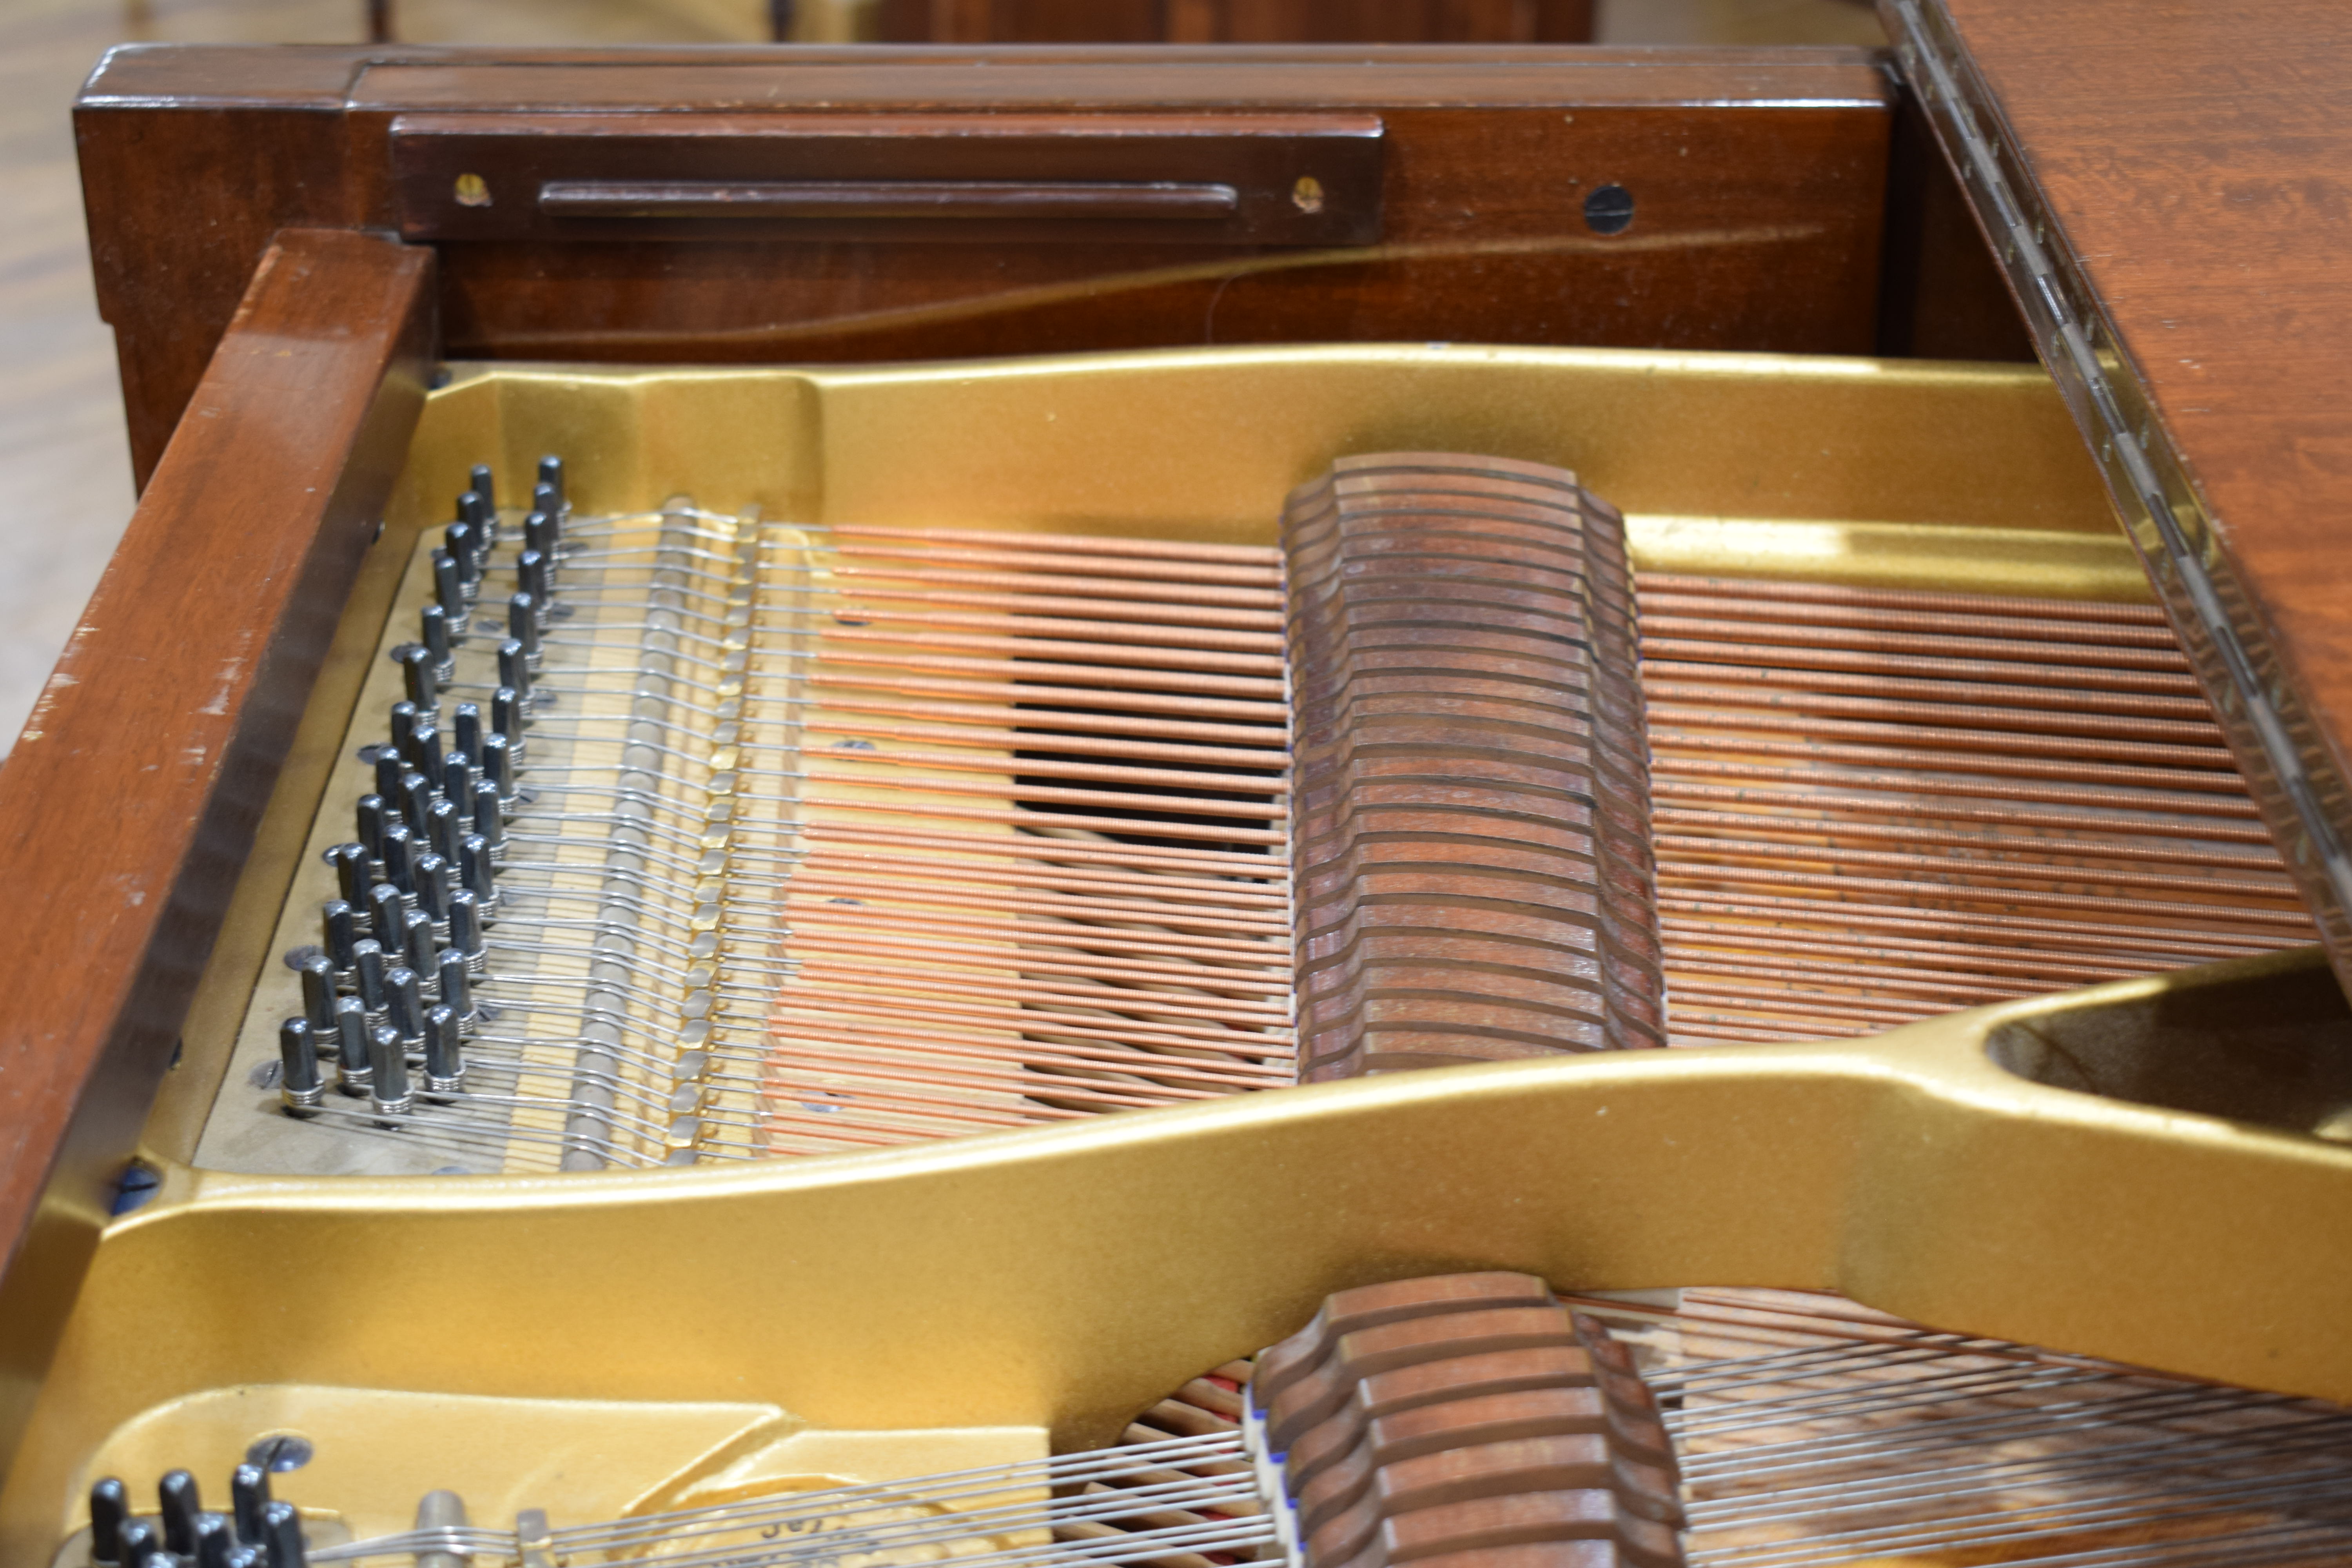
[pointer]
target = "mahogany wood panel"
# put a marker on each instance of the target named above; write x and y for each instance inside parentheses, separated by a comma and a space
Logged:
(1466, 1413)
(1473, 875)
(1236, 21)
(130, 802)
(2177, 176)
(1756, 179)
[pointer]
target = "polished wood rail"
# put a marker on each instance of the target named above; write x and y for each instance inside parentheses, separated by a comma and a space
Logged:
(129, 806)
(1703, 198)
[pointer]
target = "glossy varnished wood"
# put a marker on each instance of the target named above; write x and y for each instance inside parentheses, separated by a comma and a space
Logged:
(129, 804)
(1236, 21)
(1758, 177)
(2186, 168)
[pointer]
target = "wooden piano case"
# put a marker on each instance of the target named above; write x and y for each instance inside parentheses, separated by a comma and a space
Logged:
(316, 349)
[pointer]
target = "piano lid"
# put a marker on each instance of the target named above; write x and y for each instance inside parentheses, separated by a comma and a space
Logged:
(2164, 185)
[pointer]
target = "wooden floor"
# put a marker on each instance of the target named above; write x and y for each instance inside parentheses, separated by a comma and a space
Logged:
(62, 458)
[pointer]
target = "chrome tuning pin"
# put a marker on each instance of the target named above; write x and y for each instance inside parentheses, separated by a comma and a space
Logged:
(466, 935)
(498, 763)
(452, 595)
(352, 1073)
(514, 672)
(388, 1090)
(418, 673)
(139, 1542)
(110, 1510)
(318, 972)
(342, 933)
(440, 641)
(248, 1494)
(466, 729)
(524, 626)
(444, 1056)
(181, 1505)
(532, 573)
(456, 992)
(445, 826)
(299, 1084)
(350, 864)
(507, 719)
(281, 1545)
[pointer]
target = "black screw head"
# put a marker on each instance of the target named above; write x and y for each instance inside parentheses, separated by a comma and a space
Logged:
(1609, 210)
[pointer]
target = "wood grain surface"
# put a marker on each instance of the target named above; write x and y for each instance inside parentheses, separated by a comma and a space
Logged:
(1756, 177)
(1466, 1413)
(2195, 167)
(129, 805)
(1236, 21)
(1471, 840)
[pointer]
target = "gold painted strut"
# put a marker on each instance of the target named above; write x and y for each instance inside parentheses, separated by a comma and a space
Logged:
(1066, 1276)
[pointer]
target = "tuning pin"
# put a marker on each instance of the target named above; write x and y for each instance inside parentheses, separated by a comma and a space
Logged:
(514, 671)
(417, 947)
(465, 933)
(368, 965)
(548, 494)
(462, 543)
(215, 1538)
(469, 731)
(506, 719)
(406, 753)
(444, 826)
(444, 1054)
(353, 1074)
(401, 852)
(350, 864)
(297, 1054)
(436, 881)
(452, 595)
(139, 1543)
(342, 933)
(491, 822)
(177, 1492)
(458, 991)
(457, 785)
(374, 816)
(479, 872)
(318, 974)
(109, 1509)
(281, 1541)
(531, 571)
(423, 682)
(479, 480)
(523, 625)
(405, 987)
(474, 507)
(498, 773)
(248, 1494)
(387, 912)
(420, 745)
(440, 641)
(388, 1093)
(415, 798)
(392, 760)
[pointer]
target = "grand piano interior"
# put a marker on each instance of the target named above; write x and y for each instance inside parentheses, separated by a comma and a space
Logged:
(663, 782)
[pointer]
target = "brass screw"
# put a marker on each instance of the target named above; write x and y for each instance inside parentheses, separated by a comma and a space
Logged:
(1306, 195)
(473, 191)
